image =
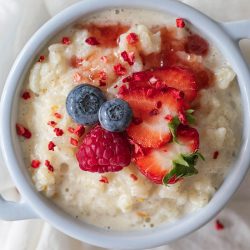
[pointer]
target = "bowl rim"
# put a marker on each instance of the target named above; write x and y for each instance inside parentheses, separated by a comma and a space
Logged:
(100, 237)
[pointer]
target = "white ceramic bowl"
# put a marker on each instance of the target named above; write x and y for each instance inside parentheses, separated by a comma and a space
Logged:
(224, 35)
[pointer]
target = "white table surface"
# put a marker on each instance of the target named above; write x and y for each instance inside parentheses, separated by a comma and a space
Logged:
(21, 18)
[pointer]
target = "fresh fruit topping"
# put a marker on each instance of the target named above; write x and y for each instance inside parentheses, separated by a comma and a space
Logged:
(180, 23)
(180, 78)
(41, 58)
(51, 145)
(120, 70)
(172, 161)
(66, 40)
(83, 103)
(132, 38)
(35, 164)
(26, 95)
(58, 131)
(104, 179)
(196, 45)
(92, 41)
(128, 57)
(22, 131)
(149, 127)
(49, 166)
(103, 151)
(115, 115)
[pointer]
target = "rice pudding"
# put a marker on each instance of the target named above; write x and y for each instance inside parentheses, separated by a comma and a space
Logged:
(184, 101)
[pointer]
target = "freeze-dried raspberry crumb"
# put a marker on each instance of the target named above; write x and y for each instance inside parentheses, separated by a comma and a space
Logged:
(132, 38)
(41, 58)
(58, 131)
(123, 90)
(52, 123)
(76, 62)
(57, 115)
(102, 75)
(104, 59)
(66, 40)
(128, 57)
(104, 179)
(22, 131)
(180, 23)
(35, 164)
(71, 130)
(120, 70)
(73, 141)
(134, 177)
(137, 120)
(215, 155)
(49, 166)
(26, 95)
(103, 151)
(51, 145)
(102, 83)
(218, 225)
(158, 104)
(169, 118)
(92, 41)
(154, 112)
(79, 130)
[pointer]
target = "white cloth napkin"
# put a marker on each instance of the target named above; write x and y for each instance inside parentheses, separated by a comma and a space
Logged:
(18, 20)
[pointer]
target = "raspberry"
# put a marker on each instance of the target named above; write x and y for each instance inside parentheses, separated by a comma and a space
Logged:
(103, 151)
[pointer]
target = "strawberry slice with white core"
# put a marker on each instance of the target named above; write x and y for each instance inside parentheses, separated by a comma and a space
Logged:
(172, 161)
(175, 77)
(150, 108)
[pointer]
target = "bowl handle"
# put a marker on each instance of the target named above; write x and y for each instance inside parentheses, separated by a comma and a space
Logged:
(10, 210)
(237, 29)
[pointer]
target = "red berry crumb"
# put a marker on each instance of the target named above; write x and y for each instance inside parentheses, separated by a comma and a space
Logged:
(158, 104)
(134, 177)
(79, 131)
(66, 40)
(218, 225)
(41, 58)
(22, 131)
(73, 141)
(120, 70)
(26, 95)
(71, 130)
(154, 112)
(57, 115)
(52, 123)
(49, 166)
(76, 62)
(180, 23)
(102, 75)
(103, 151)
(51, 145)
(137, 120)
(102, 83)
(169, 118)
(58, 131)
(92, 41)
(104, 59)
(132, 38)
(104, 179)
(35, 164)
(215, 155)
(128, 57)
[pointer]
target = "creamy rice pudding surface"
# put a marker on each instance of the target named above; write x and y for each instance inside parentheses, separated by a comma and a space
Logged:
(87, 52)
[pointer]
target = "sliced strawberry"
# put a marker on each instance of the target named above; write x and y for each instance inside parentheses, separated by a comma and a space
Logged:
(151, 107)
(175, 77)
(157, 164)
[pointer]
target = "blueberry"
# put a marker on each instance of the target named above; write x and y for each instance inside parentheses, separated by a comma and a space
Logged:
(115, 115)
(83, 103)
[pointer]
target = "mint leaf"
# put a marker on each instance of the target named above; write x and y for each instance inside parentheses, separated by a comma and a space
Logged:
(173, 125)
(190, 116)
(183, 166)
